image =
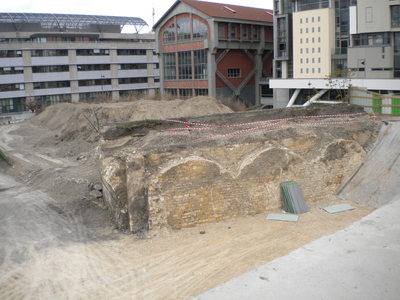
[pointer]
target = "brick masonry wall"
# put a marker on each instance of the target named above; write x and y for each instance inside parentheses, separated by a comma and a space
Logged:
(208, 184)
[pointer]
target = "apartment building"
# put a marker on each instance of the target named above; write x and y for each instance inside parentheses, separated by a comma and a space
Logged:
(322, 46)
(51, 58)
(215, 49)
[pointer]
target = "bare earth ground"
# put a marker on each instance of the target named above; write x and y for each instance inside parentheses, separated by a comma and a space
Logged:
(56, 241)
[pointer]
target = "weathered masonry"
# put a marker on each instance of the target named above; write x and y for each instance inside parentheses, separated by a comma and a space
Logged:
(181, 173)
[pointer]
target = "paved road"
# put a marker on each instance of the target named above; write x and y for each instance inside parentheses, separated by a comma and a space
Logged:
(361, 262)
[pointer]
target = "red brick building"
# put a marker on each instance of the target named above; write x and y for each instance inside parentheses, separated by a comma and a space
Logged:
(214, 49)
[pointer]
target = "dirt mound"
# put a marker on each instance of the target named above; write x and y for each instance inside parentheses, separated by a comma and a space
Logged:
(72, 121)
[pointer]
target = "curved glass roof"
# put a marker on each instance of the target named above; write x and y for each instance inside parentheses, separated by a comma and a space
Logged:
(67, 21)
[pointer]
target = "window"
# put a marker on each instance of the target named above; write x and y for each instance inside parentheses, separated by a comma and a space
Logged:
(312, 40)
(301, 41)
(319, 19)
(91, 82)
(12, 105)
(10, 53)
(185, 65)
(301, 30)
(130, 80)
(99, 67)
(183, 29)
(51, 84)
(90, 52)
(140, 66)
(319, 70)
(234, 73)
(312, 30)
(301, 60)
(221, 31)
(169, 34)
(313, 70)
(200, 64)
(201, 92)
(319, 39)
(313, 60)
(319, 49)
(319, 29)
(313, 50)
(306, 60)
(307, 50)
(306, 40)
(319, 60)
(185, 93)
(233, 31)
(307, 70)
(200, 30)
(48, 52)
(169, 66)
(301, 50)
(395, 15)
(11, 87)
(312, 19)
(256, 33)
(172, 92)
(53, 99)
(47, 69)
(306, 30)
(306, 20)
(131, 52)
(301, 70)
(11, 70)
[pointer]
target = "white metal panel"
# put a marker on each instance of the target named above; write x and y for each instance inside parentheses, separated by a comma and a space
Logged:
(49, 60)
(51, 76)
(12, 78)
(12, 94)
(93, 74)
(133, 86)
(95, 88)
(88, 60)
(56, 91)
(131, 59)
(353, 19)
(132, 73)
(11, 62)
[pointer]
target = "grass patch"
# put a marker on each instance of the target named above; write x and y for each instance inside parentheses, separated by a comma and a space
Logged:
(141, 124)
(4, 158)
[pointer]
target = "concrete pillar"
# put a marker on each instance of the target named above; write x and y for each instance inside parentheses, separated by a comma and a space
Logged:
(281, 98)
(28, 78)
(258, 76)
(285, 69)
(73, 75)
(212, 69)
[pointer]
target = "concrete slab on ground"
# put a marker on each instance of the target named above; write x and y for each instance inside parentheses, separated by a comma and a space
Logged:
(360, 262)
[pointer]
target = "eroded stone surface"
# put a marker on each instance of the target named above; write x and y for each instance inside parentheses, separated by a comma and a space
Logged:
(181, 174)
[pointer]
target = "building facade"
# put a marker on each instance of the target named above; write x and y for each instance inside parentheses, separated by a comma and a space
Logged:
(48, 58)
(215, 49)
(322, 46)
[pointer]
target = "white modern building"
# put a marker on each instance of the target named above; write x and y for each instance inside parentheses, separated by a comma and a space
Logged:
(324, 46)
(51, 58)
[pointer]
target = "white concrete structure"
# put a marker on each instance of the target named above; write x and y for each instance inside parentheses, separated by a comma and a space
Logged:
(331, 44)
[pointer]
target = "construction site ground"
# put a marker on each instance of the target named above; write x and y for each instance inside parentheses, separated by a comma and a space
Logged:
(57, 241)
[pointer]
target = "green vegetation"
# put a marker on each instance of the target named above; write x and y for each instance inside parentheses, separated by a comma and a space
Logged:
(4, 158)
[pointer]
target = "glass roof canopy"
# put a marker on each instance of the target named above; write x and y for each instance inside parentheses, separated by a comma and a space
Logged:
(64, 22)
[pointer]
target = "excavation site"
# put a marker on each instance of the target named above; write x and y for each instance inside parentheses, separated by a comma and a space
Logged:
(157, 199)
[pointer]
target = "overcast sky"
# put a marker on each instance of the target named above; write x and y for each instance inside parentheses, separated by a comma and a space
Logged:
(126, 8)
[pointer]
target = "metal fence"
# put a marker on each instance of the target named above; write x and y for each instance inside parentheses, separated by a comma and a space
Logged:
(375, 102)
